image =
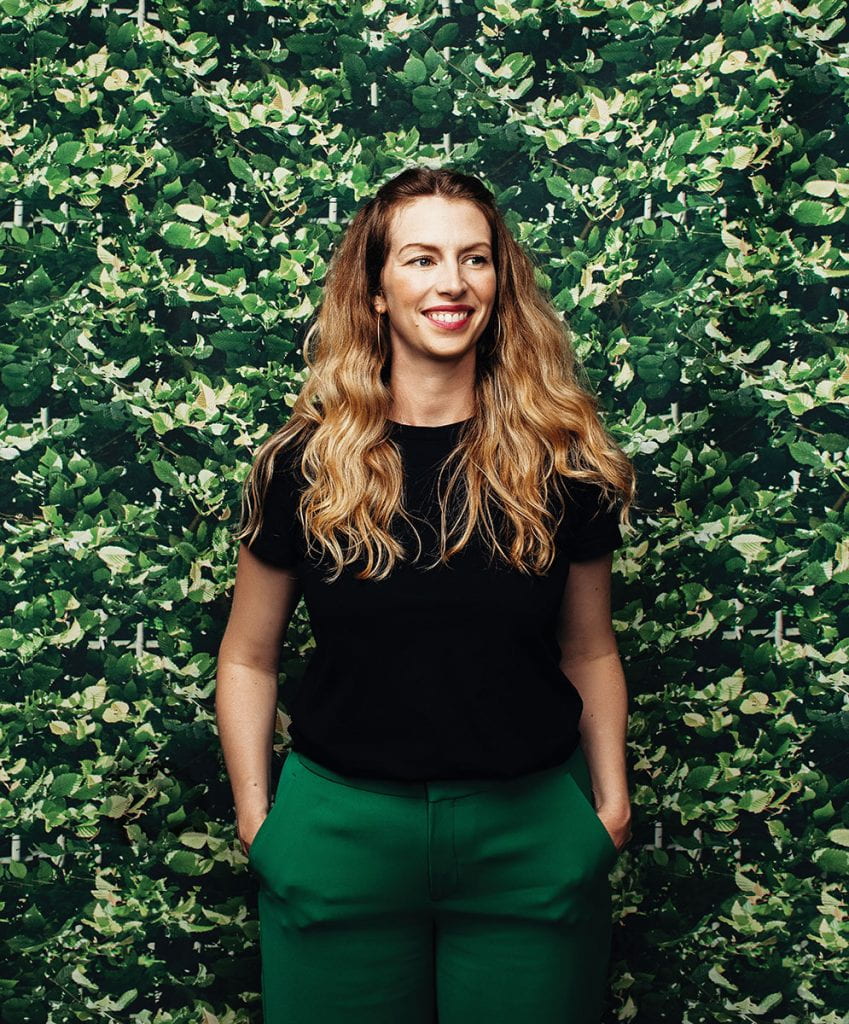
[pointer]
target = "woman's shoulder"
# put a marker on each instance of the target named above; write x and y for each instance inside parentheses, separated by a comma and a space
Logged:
(586, 498)
(578, 487)
(289, 452)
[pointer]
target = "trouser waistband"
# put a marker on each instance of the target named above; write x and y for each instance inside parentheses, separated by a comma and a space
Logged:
(437, 788)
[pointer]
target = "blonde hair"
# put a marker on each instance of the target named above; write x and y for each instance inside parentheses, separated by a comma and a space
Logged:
(533, 418)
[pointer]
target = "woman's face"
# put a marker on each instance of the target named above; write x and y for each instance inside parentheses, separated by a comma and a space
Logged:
(440, 255)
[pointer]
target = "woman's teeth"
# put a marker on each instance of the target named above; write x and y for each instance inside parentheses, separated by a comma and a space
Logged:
(448, 318)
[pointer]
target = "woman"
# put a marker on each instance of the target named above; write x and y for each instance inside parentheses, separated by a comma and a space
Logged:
(447, 501)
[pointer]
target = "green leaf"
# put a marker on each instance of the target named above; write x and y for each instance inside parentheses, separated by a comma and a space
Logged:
(432, 60)
(754, 703)
(355, 68)
(807, 211)
(184, 235)
(798, 402)
(840, 836)
(684, 142)
(750, 545)
(834, 861)
(165, 472)
(558, 187)
(118, 559)
(804, 453)
(238, 121)
(718, 978)
(67, 152)
(444, 101)
(189, 211)
(819, 188)
(701, 777)
(555, 139)
(161, 422)
(424, 97)
(447, 35)
(184, 862)
(37, 283)
(621, 51)
(515, 66)
(65, 784)
(415, 70)
(240, 169)
(348, 44)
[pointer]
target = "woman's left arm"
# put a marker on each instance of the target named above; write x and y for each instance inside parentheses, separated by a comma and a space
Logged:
(590, 660)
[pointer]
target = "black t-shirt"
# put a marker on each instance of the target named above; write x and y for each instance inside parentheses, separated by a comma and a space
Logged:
(449, 672)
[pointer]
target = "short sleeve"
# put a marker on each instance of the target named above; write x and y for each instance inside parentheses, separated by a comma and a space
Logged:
(276, 541)
(591, 528)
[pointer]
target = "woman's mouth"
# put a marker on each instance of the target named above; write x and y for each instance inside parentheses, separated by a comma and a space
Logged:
(450, 321)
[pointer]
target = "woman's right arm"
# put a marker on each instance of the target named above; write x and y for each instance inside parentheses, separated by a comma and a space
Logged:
(264, 599)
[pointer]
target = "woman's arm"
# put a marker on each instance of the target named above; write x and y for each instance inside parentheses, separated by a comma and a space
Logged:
(264, 598)
(590, 659)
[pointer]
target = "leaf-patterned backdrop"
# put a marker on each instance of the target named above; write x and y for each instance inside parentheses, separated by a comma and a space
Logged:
(173, 177)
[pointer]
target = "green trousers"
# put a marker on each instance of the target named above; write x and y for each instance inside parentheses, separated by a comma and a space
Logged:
(457, 902)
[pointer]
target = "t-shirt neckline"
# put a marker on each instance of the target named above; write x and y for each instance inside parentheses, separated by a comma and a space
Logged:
(409, 430)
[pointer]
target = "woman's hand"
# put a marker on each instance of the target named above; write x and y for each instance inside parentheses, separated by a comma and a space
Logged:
(248, 827)
(617, 821)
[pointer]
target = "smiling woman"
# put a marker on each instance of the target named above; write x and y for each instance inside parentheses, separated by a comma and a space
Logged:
(447, 500)
(435, 287)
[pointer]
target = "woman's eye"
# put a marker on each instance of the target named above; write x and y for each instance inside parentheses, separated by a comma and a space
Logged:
(418, 259)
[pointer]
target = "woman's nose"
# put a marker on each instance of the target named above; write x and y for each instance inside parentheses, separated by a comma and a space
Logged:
(450, 278)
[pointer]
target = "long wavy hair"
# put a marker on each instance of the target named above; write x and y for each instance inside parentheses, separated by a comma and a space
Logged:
(533, 418)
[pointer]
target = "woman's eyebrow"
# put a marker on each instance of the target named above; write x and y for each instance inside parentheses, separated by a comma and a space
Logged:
(435, 248)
